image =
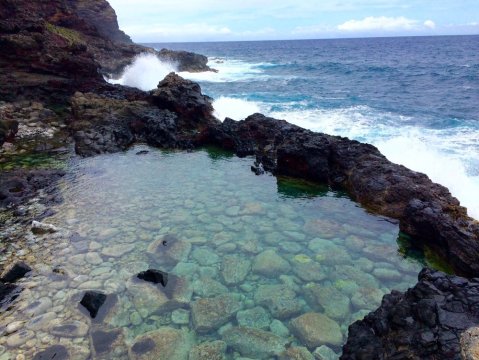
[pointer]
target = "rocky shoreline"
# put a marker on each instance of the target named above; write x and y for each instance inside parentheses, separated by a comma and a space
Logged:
(55, 98)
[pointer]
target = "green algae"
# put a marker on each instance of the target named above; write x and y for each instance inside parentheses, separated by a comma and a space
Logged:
(73, 37)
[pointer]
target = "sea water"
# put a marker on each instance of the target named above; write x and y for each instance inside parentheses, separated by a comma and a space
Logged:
(415, 98)
(260, 251)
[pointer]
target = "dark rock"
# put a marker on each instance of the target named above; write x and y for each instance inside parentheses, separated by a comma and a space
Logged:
(8, 293)
(104, 341)
(186, 61)
(183, 97)
(55, 352)
(16, 272)
(92, 301)
(425, 322)
(18, 186)
(154, 276)
(8, 130)
(427, 211)
(142, 152)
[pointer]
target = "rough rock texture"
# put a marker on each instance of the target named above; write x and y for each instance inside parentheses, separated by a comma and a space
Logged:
(18, 186)
(426, 322)
(426, 210)
(173, 117)
(50, 49)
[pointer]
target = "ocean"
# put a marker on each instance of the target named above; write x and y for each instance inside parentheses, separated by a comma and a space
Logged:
(415, 98)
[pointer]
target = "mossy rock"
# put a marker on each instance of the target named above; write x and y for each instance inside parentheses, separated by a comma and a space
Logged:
(73, 37)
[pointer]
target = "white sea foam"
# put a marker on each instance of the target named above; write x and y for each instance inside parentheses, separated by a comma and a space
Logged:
(228, 70)
(236, 109)
(449, 157)
(145, 72)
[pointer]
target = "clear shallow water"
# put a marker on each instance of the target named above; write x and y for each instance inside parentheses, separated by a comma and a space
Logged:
(278, 248)
(414, 98)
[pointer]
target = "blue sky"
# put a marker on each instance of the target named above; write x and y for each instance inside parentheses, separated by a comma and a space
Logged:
(220, 20)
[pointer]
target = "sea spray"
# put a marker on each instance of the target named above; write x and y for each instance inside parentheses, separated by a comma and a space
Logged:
(236, 109)
(145, 72)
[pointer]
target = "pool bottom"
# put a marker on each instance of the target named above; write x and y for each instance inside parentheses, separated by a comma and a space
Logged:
(257, 264)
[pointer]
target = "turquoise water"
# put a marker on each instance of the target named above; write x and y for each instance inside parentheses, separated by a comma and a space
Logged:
(248, 257)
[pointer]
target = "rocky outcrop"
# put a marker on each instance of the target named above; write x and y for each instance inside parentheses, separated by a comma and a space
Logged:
(426, 322)
(52, 49)
(173, 116)
(427, 211)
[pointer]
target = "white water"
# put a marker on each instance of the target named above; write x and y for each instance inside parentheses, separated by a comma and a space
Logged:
(446, 157)
(145, 72)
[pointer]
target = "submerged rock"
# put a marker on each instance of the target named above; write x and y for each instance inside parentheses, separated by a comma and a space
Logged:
(270, 264)
(166, 343)
(210, 314)
(214, 350)
(280, 300)
(55, 352)
(314, 329)
(154, 276)
(39, 228)
(296, 353)
(256, 317)
(92, 301)
(234, 269)
(256, 343)
(16, 272)
(169, 250)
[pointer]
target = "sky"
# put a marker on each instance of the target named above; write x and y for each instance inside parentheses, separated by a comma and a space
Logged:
(223, 20)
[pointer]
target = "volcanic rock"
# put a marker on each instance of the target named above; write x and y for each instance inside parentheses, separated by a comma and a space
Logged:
(424, 322)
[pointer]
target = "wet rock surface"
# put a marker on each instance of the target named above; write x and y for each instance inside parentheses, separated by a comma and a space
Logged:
(427, 321)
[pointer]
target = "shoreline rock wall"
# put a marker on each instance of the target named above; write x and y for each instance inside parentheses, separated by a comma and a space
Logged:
(426, 211)
(428, 321)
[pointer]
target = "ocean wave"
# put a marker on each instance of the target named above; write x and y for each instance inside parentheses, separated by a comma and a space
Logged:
(145, 72)
(228, 70)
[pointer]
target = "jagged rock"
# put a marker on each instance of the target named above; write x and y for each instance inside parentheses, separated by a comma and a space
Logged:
(16, 272)
(314, 329)
(92, 301)
(209, 314)
(183, 97)
(256, 343)
(424, 322)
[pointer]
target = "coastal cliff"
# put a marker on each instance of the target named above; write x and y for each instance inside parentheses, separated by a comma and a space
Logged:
(54, 55)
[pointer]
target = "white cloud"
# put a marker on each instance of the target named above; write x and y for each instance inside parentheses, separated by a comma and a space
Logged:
(384, 23)
(430, 24)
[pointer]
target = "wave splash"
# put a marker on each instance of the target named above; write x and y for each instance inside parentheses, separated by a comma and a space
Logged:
(236, 109)
(145, 72)
(429, 151)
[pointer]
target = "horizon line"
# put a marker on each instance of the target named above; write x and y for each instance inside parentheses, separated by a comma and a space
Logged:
(305, 39)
